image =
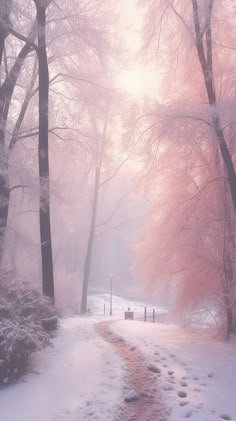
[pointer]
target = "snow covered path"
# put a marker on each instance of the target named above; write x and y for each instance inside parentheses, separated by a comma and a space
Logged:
(197, 372)
(79, 379)
(145, 403)
(176, 373)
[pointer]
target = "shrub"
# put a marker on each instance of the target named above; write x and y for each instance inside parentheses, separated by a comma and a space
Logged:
(25, 319)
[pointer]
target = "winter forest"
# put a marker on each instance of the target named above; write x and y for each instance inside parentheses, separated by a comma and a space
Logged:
(117, 201)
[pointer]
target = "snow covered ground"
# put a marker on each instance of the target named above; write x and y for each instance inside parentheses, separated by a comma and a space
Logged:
(80, 378)
(198, 373)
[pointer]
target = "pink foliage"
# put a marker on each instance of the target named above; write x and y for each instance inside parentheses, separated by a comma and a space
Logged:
(189, 242)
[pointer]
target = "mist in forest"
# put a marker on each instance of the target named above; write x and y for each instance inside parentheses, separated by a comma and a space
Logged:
(118, 151)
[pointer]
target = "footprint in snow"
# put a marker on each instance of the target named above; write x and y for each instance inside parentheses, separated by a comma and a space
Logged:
(170, 372)
(153, 368)
(182, 394)
(183, 403)
(131, 396)
(225, 417)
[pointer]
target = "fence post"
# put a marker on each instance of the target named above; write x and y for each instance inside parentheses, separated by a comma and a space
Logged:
(145, 314)
(153, 315)
(104, 308)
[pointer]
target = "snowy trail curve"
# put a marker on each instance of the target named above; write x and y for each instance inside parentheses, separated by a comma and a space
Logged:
(149, 406)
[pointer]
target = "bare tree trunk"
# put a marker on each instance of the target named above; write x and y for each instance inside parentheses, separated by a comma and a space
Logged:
(5, 11)
(43, 156)
(228, 291)
(205, 59)
(87, 265)
(6, 92)
(228, 251)
(4, 186)
(4, 206)
(4, 189)
(24, 107)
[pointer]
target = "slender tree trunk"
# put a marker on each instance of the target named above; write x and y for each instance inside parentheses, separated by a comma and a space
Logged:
(228, 248)
(228, 290)
(87, 265)
(24, 108)
(4, 206)
(228, 252)
(43, 156)
(4, 185)
(6, 92)
(206, 62)
(5, 11)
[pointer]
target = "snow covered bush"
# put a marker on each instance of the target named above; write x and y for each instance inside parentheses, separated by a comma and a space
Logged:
(25, 318)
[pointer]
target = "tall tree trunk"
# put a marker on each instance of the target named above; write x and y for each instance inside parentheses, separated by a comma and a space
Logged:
(228, 285)
(205, 59)
(6, 92)
(5, 11)
(43, 156)
(4, 185)
(87, 265)
(228, 256)
(228, 249)
(4, 206)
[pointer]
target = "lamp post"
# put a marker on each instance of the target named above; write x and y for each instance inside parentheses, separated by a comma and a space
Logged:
(110, 294)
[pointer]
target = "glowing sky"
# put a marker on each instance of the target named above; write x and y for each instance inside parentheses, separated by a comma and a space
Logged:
(137, 77)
